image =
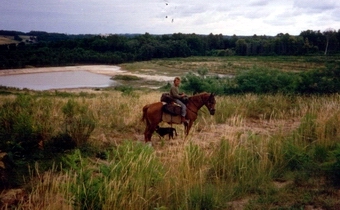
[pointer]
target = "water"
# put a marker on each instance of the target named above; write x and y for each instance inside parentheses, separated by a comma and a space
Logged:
(57, 80)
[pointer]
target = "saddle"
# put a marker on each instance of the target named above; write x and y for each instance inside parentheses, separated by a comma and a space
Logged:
(171, 110)
(169, 105)
(166, 97)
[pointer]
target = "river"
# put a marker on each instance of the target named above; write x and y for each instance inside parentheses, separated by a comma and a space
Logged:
(90, 76)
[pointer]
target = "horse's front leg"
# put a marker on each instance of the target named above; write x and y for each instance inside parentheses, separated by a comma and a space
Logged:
(187, 127)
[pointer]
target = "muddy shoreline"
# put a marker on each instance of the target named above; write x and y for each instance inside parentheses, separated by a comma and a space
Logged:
(110, 70)
(151, 80)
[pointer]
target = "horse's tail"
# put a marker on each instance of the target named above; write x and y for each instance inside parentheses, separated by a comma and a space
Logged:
(145, 109)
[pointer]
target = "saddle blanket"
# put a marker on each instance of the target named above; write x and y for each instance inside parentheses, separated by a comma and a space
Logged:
(168, 118)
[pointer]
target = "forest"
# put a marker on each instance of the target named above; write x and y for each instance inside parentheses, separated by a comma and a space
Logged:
(55, 49)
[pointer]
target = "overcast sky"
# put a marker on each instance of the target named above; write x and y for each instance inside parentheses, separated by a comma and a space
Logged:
(241, 17)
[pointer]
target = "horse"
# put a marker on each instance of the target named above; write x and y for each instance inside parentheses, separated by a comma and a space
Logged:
(152, 113)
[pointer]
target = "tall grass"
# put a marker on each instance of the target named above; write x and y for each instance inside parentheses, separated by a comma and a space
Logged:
(251, 142)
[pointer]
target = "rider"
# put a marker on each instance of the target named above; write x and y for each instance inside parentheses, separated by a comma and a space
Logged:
(174, 92)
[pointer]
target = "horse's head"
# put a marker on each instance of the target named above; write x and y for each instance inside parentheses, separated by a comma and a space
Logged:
(210, 103)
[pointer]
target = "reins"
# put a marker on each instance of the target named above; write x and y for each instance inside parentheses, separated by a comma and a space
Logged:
(196, 106)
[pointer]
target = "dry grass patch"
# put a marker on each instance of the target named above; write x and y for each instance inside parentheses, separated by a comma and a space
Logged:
(225, 65)
(7, 40)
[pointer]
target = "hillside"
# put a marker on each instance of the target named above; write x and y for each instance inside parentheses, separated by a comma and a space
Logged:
(5, 40)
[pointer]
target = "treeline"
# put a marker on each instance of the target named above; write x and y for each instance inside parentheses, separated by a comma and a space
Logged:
(54, 49)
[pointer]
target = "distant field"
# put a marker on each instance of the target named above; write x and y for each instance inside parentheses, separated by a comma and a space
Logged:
(10, 39)
(7, 40)
(230, 64)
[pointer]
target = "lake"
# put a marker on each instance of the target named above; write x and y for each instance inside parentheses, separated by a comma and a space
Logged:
(57, 80)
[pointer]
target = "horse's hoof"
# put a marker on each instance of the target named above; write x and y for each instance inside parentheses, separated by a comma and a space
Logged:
(149, 144)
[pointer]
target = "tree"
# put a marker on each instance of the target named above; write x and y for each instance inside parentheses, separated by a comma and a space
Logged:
(328, 32)
(241, 47)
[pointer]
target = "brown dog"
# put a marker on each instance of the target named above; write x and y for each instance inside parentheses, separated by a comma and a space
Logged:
(164, 131)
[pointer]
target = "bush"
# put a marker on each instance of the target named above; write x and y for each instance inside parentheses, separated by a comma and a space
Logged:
(79, 122)
(125, 77)
(197, 84)
(20, 133)
(262, 80)
(320, 81)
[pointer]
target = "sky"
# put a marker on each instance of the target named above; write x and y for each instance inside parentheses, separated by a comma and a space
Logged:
(241, 17)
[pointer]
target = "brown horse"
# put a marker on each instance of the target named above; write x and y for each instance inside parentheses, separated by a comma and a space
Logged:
(152, 113)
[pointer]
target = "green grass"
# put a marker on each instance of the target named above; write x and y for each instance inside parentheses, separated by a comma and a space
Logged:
(230, 64)
(125, 77)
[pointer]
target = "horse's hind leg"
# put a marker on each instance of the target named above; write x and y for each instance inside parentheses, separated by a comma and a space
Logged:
(147, 136)
(148, 132)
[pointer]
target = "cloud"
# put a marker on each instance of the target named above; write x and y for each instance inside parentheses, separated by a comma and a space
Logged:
(258, 3)
(245, 17)
(315, 6)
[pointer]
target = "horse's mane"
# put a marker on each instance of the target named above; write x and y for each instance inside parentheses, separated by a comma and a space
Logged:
(198, 95)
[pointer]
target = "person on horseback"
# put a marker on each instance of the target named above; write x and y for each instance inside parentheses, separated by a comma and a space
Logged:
(178, 97)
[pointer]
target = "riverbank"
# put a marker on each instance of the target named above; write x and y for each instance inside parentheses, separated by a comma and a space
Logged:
(98, 69)
(110, 70)
(147, 78)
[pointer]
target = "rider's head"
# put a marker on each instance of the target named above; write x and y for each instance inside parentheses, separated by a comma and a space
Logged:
(177, 81)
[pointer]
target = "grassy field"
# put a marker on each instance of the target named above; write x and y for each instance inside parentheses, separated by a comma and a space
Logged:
(7, 40)
(256, 152)
(230, 64)
(10, 39)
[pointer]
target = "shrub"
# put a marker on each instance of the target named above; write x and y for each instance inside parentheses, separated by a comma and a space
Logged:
(125, 77)
(20, 133)
(79, 122)
(263, 80)
(126, 90)
(297, 158)
(197, 84)
(320, 81)
(60, 143)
